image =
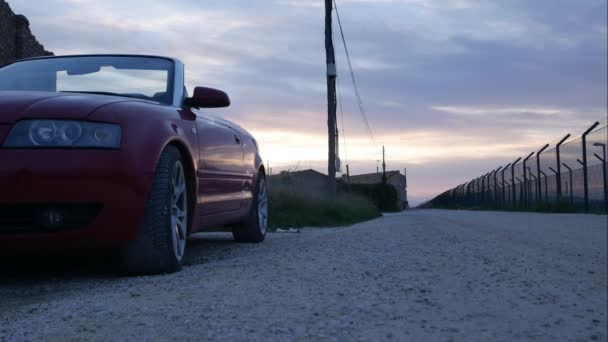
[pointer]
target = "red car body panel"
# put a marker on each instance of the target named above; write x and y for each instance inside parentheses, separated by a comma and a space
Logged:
(222, 159)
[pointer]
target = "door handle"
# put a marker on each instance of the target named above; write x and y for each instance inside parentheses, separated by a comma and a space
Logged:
(237, 139)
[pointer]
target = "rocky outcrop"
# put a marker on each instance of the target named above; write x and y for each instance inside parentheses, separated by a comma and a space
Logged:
(16, 39)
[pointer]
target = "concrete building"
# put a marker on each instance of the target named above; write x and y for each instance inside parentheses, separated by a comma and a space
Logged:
(394, 178)
(305, 180)
(16, 39)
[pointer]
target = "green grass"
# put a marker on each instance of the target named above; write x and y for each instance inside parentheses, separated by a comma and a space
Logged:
(290, 208)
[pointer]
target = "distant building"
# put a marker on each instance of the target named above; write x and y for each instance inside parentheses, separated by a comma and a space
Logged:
(394, 178)
(312, 181)
(305, 180)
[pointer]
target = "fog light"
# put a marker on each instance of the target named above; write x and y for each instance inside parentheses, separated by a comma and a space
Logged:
(52, 218)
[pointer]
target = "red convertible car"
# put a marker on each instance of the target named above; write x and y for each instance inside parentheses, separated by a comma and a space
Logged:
(111, 151)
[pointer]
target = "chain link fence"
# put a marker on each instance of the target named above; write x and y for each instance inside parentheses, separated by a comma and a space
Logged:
(569, 177)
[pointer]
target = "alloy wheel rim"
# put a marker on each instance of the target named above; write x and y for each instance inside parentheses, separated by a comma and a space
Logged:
(179, 211)
(263, 207)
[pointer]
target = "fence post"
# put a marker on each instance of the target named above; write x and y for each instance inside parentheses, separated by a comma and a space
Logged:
(603, 160)
(521, 189)
(585, 193)
(536, 194)
(513, 179)
(503, 183)
(496, 185)
(555, 172)
(474, 193)
(483, 184)
(487, 196)
(540, 194)
(538, 182)
(528, 193)
(585, 176)
(479, 190)
(471, 192)
(559, 169)
(526, 179)
(489, 187)
(571, 194)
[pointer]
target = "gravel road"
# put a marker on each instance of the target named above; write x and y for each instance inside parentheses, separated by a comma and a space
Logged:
(426, 275)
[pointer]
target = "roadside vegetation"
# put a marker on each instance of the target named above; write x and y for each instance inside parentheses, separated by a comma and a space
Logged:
(292, 207)
(383, 196)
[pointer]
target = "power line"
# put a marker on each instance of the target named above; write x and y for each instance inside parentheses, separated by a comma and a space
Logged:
(352, 74)
(342, 120)
(339, 95)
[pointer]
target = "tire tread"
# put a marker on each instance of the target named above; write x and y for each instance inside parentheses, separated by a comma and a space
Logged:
(248, 230)
(151, 252)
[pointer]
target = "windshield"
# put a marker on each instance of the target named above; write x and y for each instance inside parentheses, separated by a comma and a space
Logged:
(147, 78)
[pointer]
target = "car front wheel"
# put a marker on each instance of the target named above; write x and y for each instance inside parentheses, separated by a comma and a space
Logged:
(160, 243)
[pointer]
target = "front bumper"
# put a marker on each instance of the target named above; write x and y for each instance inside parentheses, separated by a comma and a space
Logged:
(62, 177)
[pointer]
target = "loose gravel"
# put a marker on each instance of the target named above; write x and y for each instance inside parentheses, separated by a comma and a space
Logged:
(420, 275)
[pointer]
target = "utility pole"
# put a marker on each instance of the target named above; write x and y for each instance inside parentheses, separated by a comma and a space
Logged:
(331, 98)
(383, 161)
(348, 177)
(383, 166)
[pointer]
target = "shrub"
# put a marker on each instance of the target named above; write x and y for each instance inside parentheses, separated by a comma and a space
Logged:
(291, 208)
(384, 196)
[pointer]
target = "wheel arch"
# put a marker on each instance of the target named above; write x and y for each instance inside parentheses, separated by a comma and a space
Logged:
(190, 169)
(259, 164)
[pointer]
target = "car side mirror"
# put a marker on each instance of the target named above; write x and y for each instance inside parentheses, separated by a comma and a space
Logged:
(208, 98)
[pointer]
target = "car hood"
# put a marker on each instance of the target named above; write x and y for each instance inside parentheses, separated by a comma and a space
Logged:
(20, 105)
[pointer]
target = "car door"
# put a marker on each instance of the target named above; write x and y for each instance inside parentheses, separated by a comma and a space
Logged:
(220, 169)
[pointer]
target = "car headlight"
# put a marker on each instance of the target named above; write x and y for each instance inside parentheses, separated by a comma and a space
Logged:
(63, 134)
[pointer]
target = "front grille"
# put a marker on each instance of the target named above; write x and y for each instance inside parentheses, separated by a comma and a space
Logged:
(34, 218)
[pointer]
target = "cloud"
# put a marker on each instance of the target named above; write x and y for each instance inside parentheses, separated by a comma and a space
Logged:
(485, 111)
(467, 83)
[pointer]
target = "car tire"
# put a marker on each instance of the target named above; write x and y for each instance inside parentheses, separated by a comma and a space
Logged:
(255, 226)
(161, 239)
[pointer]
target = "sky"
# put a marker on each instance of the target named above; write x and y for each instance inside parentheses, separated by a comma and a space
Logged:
(452, 88)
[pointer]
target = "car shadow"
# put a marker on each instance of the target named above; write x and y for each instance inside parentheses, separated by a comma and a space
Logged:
(38, 266)
(33, 278)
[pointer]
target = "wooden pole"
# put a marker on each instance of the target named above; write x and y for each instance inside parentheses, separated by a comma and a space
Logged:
(383, 161)
(331, 98)
(384, 179)
(348, 177)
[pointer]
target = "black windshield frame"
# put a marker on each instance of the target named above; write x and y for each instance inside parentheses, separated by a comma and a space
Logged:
(105, 60)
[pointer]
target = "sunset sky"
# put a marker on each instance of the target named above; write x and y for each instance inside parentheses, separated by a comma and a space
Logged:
(452, 88)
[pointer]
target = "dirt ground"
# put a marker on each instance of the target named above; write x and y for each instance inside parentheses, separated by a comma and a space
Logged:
(427, 275)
